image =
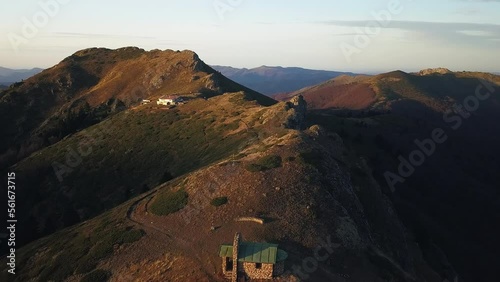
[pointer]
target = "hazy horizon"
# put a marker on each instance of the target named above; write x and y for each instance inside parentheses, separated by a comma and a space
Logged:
(358, 36)
(371, 72)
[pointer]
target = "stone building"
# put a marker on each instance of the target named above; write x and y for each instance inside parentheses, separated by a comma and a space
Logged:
(169, 100)
(253, 260)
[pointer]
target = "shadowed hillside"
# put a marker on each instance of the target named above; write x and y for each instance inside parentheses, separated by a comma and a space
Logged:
(451, 199)
(306, 186)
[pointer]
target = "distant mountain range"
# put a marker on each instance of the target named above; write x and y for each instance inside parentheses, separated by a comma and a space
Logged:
(273, 80)
(9, 76)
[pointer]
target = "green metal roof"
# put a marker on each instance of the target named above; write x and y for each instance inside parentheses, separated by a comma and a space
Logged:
(226, 251)
(255, 252)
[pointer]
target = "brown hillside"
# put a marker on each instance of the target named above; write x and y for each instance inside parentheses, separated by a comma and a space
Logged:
(305, 198)
(93, 83)
(342, 92)
(108, 163)
(433, 89)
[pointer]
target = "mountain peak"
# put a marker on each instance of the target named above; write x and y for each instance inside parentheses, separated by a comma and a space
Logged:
(99, 50)
(89, 82)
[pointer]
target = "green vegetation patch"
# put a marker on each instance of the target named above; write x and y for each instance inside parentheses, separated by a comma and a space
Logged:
(103, 242)
(169, 202)
(132, 235)
(217, 202)
(265, 163)
(76, 251)
(156, 145)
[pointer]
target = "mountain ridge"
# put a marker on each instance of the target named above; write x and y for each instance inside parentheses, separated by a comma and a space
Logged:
(93, 83)
(9, 76)
(304, 196)
(127, 190)
(272, 80)
(385, 118)
(363, 91)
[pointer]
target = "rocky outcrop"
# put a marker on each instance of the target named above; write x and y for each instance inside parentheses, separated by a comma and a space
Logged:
(296, 109)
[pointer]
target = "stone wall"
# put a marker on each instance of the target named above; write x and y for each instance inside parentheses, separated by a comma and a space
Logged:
(227, 274)
(296, 113)
(247, 269)
(236, 248)
(265, 272)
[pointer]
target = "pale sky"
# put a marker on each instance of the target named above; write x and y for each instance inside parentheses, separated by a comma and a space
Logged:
(348, 35)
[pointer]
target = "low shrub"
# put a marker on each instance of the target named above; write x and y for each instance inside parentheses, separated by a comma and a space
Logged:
(133, 235)
(254, 167)
(217, 202)
(169, 202)
(265, 163)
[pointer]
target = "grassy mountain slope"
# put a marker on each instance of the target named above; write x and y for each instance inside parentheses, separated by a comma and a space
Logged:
(149, 180)
(305, 185)
(92, 84)
(125, 155)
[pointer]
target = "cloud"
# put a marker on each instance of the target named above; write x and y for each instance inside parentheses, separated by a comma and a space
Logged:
(420, 25)
(467, 12)
(437, 31)
(476, 33)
